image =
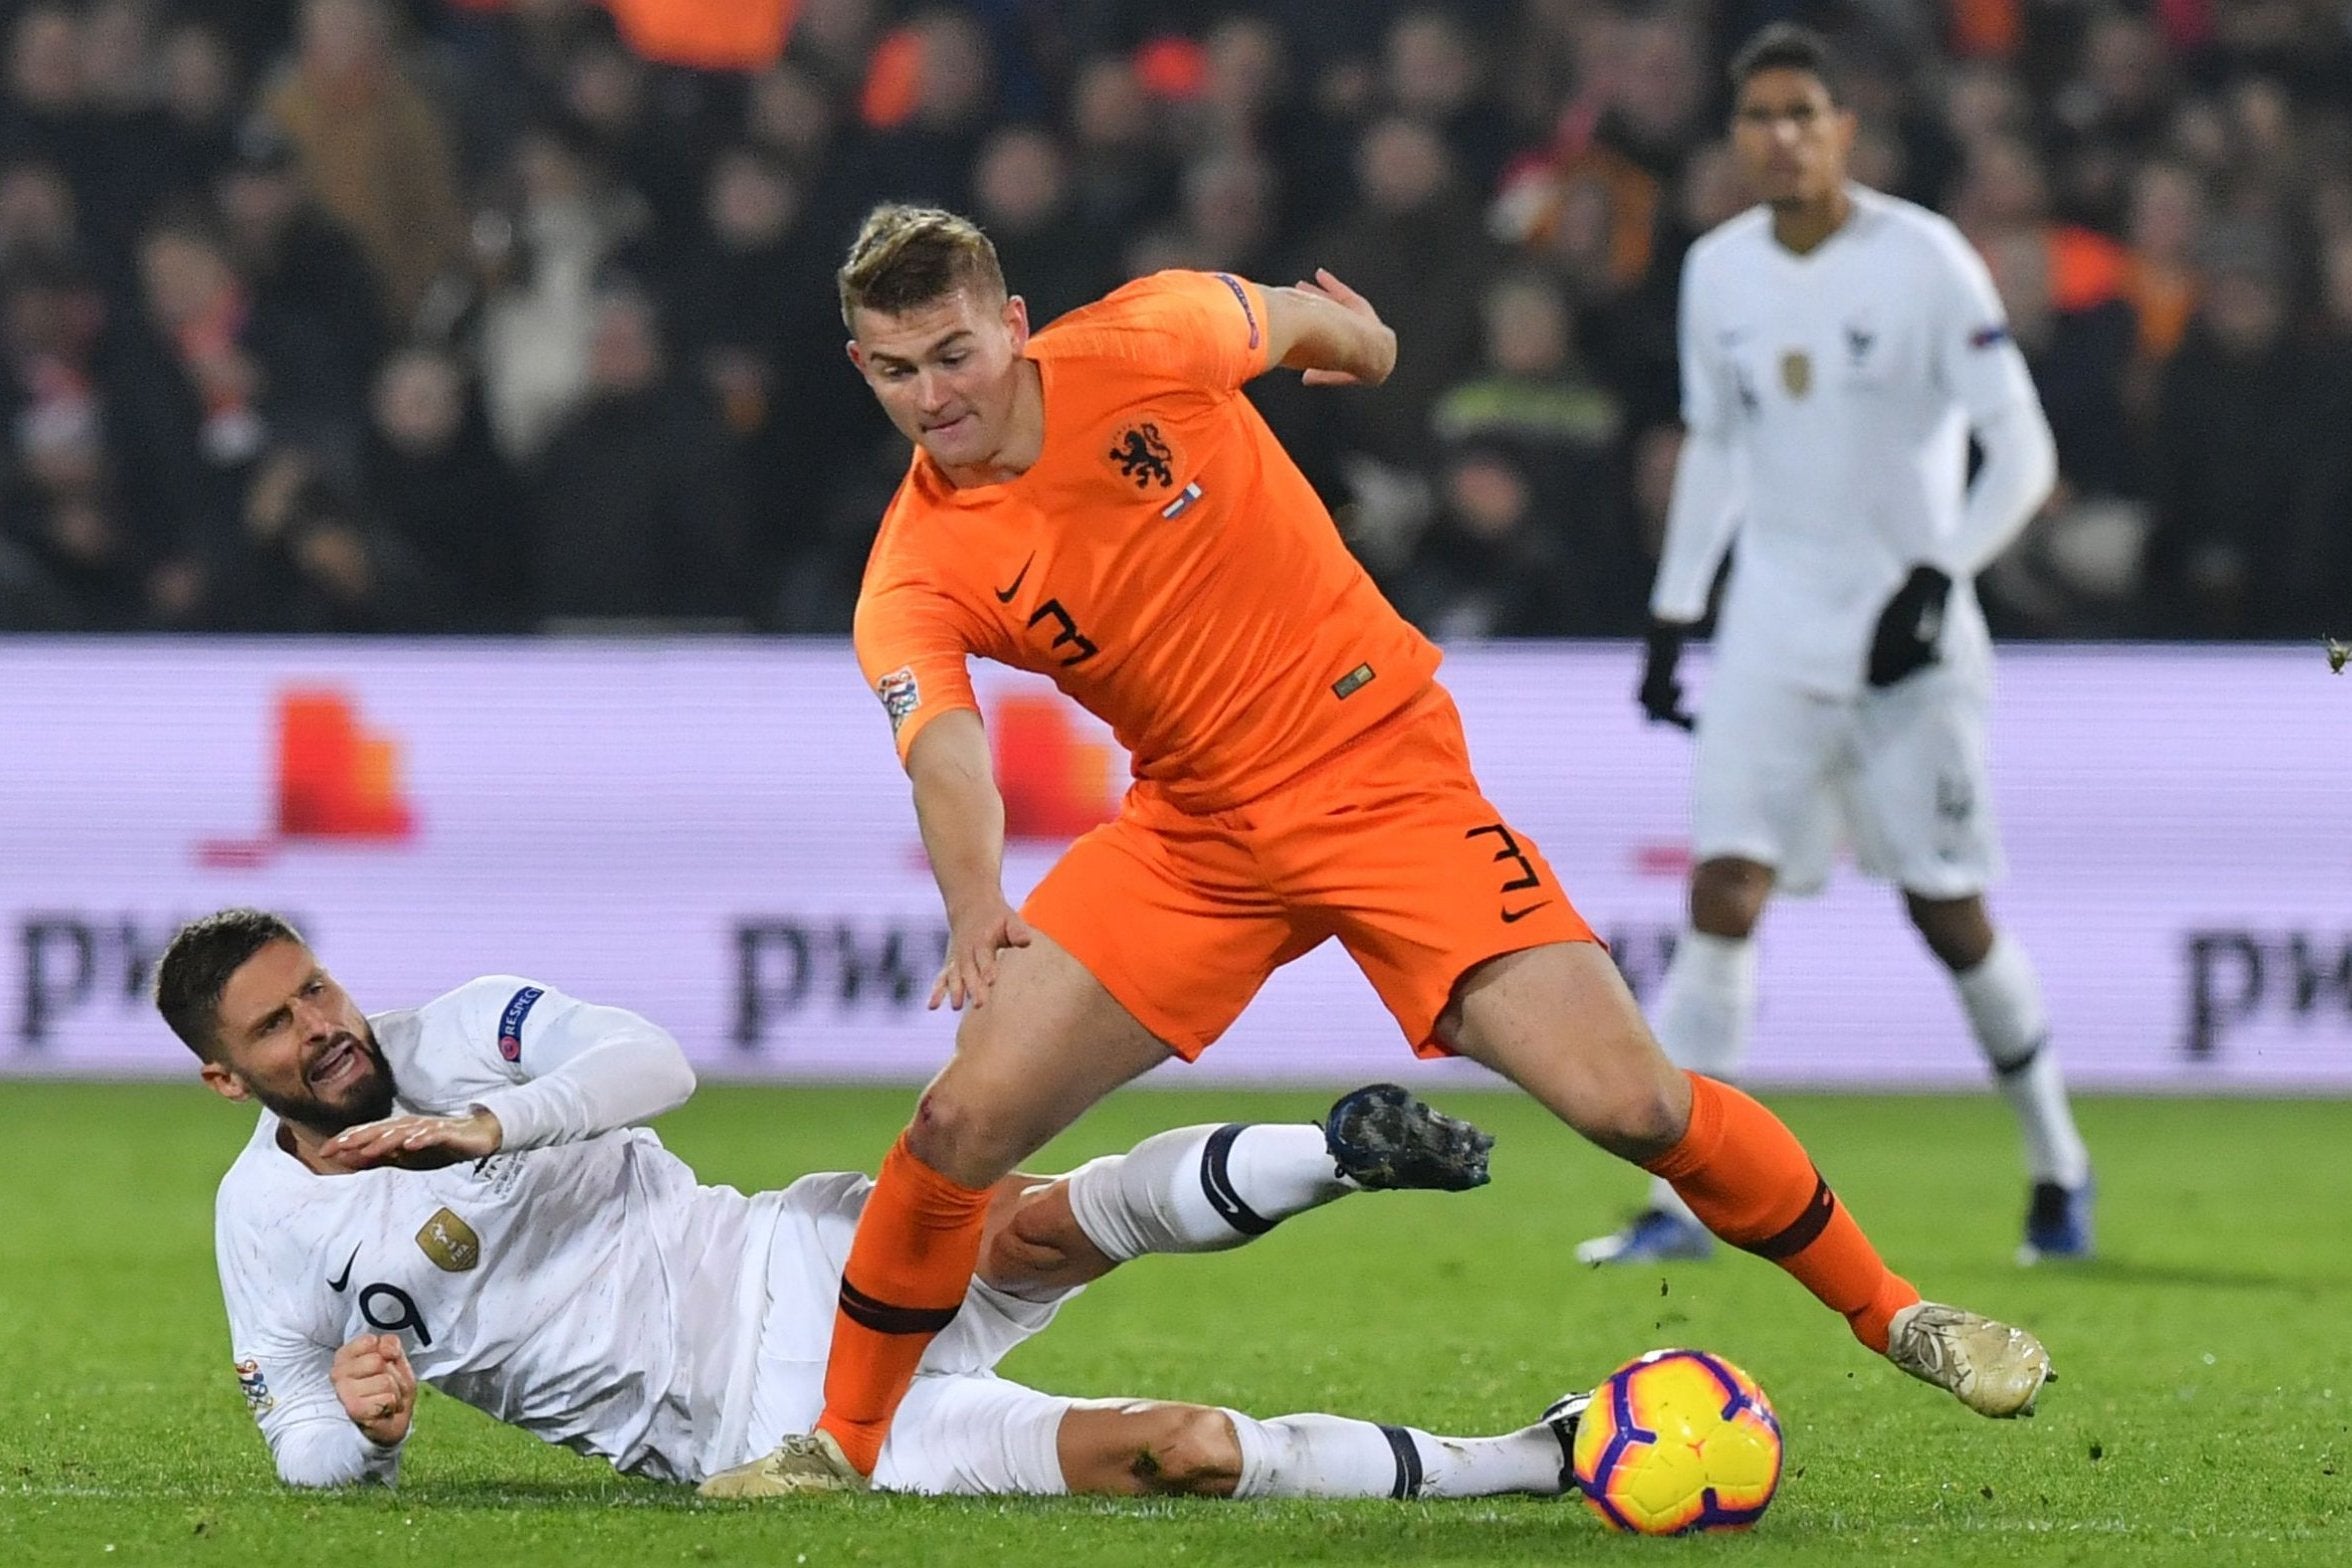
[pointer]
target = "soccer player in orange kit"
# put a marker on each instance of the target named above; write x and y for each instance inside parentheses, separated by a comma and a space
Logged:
(1100, 503)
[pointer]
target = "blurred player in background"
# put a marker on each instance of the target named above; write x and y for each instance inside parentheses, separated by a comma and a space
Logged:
(1839, 349)
(1102, 505)
(454, 1194)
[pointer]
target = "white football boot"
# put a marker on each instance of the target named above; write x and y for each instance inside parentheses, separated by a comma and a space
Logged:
(1993, 1369)
(801, 1466)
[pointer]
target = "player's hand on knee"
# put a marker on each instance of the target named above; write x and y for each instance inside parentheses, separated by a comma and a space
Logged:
(1660, 694)
(377, 1386)
(973, 941)
(417, 1143)
(1910, 628)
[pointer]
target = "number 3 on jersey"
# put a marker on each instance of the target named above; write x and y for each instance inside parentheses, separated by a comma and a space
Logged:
(1074, 646)
(1528, 878)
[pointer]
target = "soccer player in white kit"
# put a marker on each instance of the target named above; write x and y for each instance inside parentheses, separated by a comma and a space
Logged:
(1839, 348)
(454, 1194)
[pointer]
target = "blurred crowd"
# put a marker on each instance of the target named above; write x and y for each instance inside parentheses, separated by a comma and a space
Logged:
(459, 315)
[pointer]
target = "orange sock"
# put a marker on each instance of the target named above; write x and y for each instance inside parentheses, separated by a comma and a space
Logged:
(1744, 1173)
(908, 1269)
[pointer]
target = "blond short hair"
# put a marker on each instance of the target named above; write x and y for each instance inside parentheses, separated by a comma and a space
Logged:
(908, 256)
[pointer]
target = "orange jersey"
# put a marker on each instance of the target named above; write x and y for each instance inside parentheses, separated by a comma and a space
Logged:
(1163, 561)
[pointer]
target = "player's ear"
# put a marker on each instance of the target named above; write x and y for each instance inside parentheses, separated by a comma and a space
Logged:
(224, 1083)
(857, 355)
(1016, 321)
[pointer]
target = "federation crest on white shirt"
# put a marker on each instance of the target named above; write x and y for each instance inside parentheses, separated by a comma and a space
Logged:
(450, 1242)
(1796, 372)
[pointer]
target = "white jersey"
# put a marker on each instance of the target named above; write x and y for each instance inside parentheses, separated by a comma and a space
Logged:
(1845, 383)
(591, 1292)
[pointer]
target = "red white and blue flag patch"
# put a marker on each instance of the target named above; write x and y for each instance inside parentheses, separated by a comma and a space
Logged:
(900, 695)
(255, 1387)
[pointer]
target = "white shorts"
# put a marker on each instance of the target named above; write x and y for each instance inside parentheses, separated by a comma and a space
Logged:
(962, 1428)
(1783, 776)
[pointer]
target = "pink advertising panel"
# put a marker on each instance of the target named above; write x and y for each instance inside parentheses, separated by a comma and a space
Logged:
(717, 834)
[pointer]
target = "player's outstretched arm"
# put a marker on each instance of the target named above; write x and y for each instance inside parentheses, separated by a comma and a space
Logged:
(962, 818)
(586, 1070)
(1329, 331)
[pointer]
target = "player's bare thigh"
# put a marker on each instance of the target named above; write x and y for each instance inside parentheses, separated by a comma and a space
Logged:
(1049, 1043)
(1558, 1021)
(1147, 1447)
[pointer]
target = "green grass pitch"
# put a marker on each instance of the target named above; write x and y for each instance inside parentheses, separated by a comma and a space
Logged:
(2204, 1414)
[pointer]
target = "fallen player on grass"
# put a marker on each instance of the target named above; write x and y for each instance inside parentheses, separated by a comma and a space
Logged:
(456, 1195)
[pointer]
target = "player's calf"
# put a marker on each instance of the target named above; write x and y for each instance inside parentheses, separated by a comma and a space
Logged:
(1147, 1448)
(1035, 1246)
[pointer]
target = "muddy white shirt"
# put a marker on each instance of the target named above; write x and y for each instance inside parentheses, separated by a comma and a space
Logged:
(580, 1283)
(1830, 398)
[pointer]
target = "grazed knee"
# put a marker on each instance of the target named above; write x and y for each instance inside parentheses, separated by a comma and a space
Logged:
(960, 1135)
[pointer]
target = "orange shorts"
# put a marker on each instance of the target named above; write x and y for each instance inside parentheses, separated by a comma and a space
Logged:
(1387, 845)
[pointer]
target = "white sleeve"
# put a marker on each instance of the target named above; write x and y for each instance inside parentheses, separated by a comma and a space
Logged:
(1975, 358)
(1706, 506)
(584, 1070)
(1699, 524)
(1981, 368)
(1704, 513)
(1710, 389)
(2020, 465)
(282, 1366)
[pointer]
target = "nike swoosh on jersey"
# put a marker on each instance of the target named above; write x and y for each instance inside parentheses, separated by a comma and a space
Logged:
(343, 1279)
(1005, 595)
(1512, 917)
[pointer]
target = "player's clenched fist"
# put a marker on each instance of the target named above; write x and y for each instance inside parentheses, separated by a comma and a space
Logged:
(377, 1386)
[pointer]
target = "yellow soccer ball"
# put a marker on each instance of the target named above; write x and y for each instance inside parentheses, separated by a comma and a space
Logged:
(1677, 1442)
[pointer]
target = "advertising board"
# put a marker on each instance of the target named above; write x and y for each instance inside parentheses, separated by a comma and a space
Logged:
(718, 835)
